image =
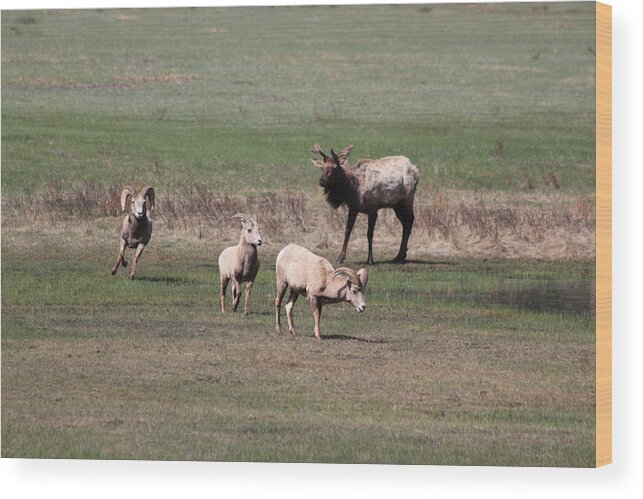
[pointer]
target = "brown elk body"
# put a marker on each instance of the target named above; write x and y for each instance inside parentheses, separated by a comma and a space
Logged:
(137, 226)
(366, 187)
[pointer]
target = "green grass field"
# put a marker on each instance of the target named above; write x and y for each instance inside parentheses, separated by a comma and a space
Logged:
(452, 363)
(462, 357)
(237, 96)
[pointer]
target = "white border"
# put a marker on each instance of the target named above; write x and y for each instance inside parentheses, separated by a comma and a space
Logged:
(117, 479)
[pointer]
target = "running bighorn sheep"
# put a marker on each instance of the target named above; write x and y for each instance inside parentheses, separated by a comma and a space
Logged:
(240, 263)
(314, 277)
(137, 226)
(366, 187)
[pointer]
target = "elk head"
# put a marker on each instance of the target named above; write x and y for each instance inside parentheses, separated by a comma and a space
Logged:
(332, 166)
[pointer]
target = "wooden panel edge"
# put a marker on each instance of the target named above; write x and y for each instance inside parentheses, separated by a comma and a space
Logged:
(603, 234)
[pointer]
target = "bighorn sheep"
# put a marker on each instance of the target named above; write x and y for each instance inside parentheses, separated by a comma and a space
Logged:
(366, 187)
(240, 263)
(137, 226)
(314, 277)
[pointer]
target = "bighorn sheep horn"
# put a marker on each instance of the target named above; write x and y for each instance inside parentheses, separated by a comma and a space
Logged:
(148, 192)
(126, 197)
(241, 216)
(346, 272)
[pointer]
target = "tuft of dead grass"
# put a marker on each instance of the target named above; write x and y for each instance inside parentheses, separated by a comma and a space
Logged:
(553, 179)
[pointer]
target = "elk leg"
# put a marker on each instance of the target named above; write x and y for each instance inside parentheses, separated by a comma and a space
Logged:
(224, 287)
(246, 305)
(281, 291)
(137, 255)
(352, 215)
(291, 303)
(236, 294)
(372, 218)
(121, 258)
(405, 216)
(315, 307)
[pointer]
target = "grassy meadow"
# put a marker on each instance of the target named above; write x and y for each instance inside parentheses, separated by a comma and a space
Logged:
(480, 350)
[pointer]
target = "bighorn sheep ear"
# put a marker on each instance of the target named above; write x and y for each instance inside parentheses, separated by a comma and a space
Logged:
(348, 283)
(346, 151)
(126, 197)
(336, 158)
(363, 276)
(148, 192)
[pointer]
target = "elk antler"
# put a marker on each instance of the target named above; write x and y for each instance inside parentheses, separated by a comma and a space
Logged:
(317, 149)
(346, 151)
(336, 158)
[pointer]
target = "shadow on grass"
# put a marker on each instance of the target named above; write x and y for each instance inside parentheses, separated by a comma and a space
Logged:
(344, 337)
(431, 262)
(165, 280)
(401, 264)
(239, 312)
(212, 266)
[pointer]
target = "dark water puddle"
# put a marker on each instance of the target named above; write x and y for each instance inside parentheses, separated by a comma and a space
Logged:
(542, 296)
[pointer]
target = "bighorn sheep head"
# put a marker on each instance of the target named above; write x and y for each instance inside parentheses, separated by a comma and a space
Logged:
(355, 285)
(250, 229)
(139, 202)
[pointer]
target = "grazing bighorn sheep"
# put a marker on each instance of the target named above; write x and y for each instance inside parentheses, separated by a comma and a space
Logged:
(240, 263)
(137, 226)
(366, 187)
(314, 277)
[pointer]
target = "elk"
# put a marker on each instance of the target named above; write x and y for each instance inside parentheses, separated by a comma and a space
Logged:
(137, 226)
(366, 187)
(314, 277)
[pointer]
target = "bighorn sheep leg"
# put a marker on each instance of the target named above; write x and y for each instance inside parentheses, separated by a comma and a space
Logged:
(405, 215)
(281, 291)
(246, 305)
(350, 222)
(137, 255)
(236, 294)
(224, 286)
(372, 218)
(121, 258)
(289, 305)
(315, 307)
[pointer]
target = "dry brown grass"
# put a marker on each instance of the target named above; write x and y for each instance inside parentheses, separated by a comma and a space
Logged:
(448, 223)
